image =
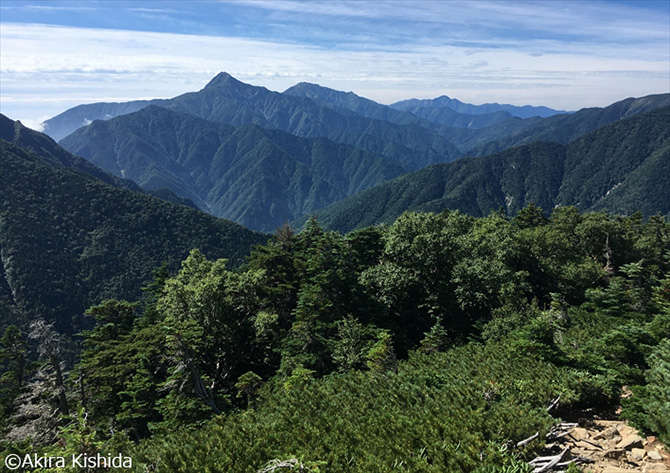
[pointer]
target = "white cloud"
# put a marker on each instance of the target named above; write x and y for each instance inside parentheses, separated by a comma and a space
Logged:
(57, 8)
(46, 69)
(609, 22)
(36, 124)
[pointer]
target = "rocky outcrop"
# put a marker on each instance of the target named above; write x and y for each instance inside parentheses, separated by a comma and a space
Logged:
(607, 446)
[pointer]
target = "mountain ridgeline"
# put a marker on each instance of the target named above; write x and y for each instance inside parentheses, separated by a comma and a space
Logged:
(622, 168)
(65, 123)
(255, 176)
(227, 100)
(263, 158)
(456, 105)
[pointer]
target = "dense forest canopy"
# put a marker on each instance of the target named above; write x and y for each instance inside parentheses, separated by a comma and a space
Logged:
(620, 168)
(69, 239)
(425, 345)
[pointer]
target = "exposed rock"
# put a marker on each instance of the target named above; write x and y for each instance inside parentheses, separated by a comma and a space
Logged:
(616, 469)
(608, 433)
(637, 454)
(613, 442)
(629, 442)
(655, 468)
(615, 453)
(587, 445)
(626, 430)
(609, 446)
(654, 455)
(579, 433)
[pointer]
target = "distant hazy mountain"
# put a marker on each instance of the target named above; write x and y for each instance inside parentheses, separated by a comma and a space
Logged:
(447, 116)
(622, 167)
(414, 133)
(349, 102)
(432, 133)
(257, 177)
(525, 111)
(227, 100)
(69, 240)
(65, 123)
(427, 117)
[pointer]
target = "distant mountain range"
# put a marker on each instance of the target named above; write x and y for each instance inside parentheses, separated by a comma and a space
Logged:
(525, 111)
(463, 115)
(72, 235)
(263, 158)
(65, 123)
(622, 167)
(565, 128)
(258, 177)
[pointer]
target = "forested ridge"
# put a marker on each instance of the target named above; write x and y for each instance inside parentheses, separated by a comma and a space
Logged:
(620, 167)
(257, 177)
(69, 240)
(263, 158)
(431, 344)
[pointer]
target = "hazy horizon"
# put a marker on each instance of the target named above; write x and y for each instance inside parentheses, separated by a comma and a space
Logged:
(565, 55)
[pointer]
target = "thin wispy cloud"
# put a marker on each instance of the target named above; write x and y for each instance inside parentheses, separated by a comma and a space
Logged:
(52, 8)
(550, 53)
(587, 20)
(157, 10)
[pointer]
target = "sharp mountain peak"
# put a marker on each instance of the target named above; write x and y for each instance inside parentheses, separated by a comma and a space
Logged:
(225, 79)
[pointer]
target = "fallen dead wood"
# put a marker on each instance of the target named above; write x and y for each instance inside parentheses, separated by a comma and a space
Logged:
(554, 403)
(528, 440)
(543, 464)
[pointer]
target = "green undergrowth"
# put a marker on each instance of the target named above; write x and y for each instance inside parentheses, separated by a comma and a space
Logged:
(453, 411)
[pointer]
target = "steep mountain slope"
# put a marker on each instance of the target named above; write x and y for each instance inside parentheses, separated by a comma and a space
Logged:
(65, 123)
(489, 128)
(436, 134)
(68, 240)
(257, 177)
(622, 167)
(349, 102)
(525, 111)
(227, 100)
(567, 127)
(47, 149)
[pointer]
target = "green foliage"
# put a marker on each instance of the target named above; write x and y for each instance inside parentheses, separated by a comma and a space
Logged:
(72, 240)
(299, 377)
(247, 385)
(427, 345)
(658, 391)
(120, 369)
(257, 177)
(649, 407)
(15, 369)
(615, 168)
(436, 339)
(381, 356)
(352, 345)
(440, 412)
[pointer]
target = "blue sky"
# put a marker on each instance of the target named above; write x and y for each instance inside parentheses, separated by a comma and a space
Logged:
(563, 54)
